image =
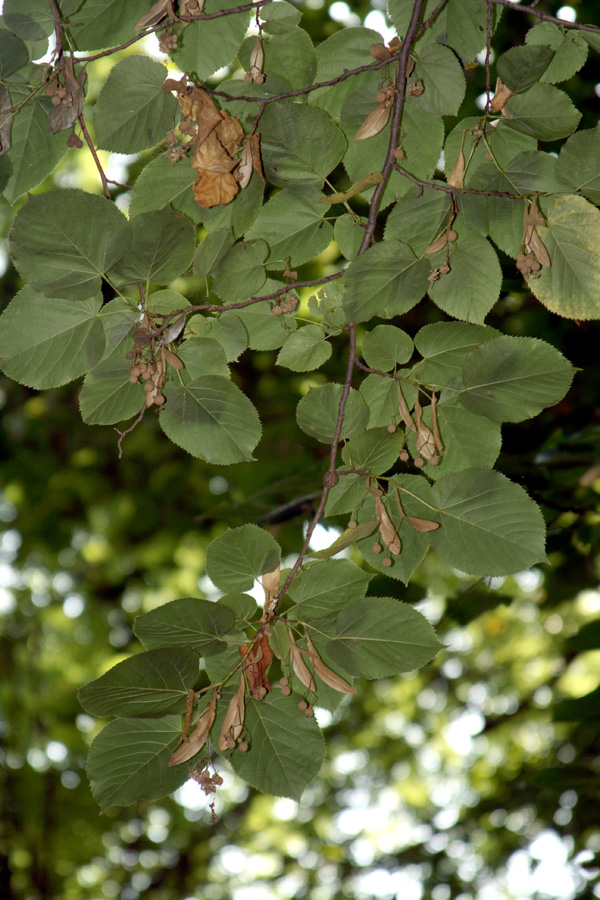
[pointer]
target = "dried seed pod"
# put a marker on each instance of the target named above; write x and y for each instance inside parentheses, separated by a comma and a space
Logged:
(324, 672)
(194, 743)
(374, 123)
(438, 244)
(501, 97)
(379, 52)
(233, 722)
(387, 530)
(298, 664)
(425, 441)
(457, 174)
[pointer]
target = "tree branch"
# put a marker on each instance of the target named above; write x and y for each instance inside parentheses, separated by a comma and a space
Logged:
(90, 144)
(545, 17)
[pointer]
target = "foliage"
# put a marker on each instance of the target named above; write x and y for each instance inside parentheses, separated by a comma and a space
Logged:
(418, 436)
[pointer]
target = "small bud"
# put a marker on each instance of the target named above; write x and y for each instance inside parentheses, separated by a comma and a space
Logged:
(404, 455)
(352, 524)
(376, 548)
(309, 712)
(391, 429)
(243, 747)
(386, 562)
(419, 463)
(303, 705)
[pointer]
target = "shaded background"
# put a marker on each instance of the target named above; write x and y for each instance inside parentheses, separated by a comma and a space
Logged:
(477, 777)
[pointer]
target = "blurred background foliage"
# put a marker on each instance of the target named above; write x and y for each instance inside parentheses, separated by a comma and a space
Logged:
(478, 777)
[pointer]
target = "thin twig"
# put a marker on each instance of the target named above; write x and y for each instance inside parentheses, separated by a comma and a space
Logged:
(488, 56)
(545, 17)
(90, 144)
(131, 428)
(447, 189)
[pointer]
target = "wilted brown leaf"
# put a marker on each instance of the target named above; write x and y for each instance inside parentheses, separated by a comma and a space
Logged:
(324, 672)
(256, 665)
(6, 120)
(156, 12)
(387, 531)
(425, 441)
(457, 175)
(298, 664)
(234, 718)
(374, 123)
(501, 97)
(191, 745)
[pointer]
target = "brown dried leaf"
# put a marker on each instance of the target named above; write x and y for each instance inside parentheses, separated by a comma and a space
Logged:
(374, 123)
(171, 359)
(69, 109)
(243, 173)
(501, 97)
(197, 738)
(404, 410)
(256, 664)
(156, 12)
(387, 531)
(324, 672)
(457, 175)
(214, 189)
(438, 244)
(434, 422)
(298, 664)
(425, 442)
(6, 120)
(536, 245)
(256, 157)
(422, 525)
(233, 722)
(379, 52)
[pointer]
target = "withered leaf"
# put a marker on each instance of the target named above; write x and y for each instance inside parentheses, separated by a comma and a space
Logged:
(171, 359)
(374, 123)
(190, 746)
(457, 175)
(156, 12)
(69, 109)
(173, 330)
(536, 245)
(6, 120)
(422, 525)
(256, 665)
(298, 664)
(387, 531)
(404, 410)
(324, 672)
(438, 244)
(234, 717)
(501, 97)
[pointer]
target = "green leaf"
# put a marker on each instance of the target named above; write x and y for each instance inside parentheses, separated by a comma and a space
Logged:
(162, 182)
(379, 636)
(227, 330)
(422, 139)
(570, 50)
(132, 112)
(586, 708)
(323, 588)
(46, 343)
(292, 224)
(244, 606)
(212, 419)
(374, 451)
(416, 499)
(443, 81)
(578, 164)
(240, 556)
(348, 234)
(128, 761)
(108, 396)
(417, 219)
(347, 48)
(13, 53)
(118, 321)
(291, 56)
(317, 412)
(211, 252)
(544, 113)
(489, 525)
(520, 68)
(62, 242)
(290, 154)
(32, 21)
(385, 281)
(148, 684)
(241, 272)
(286, 747)
(187, 622)
(202, 356)
(463, 26)
(346, 495)
(105, 23)
(472, 286)
(571, 285)
(219, 667)
(305, 349)
(161, 249)
(240, 213)
(469, 440)
(211, 44)
(165, 302)
(266, 331)
(381, 396)
(279, 17)
(503, 142)
(533, 171)
(443, 347)
(511, 379)
(34, 151)
(386, 346)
